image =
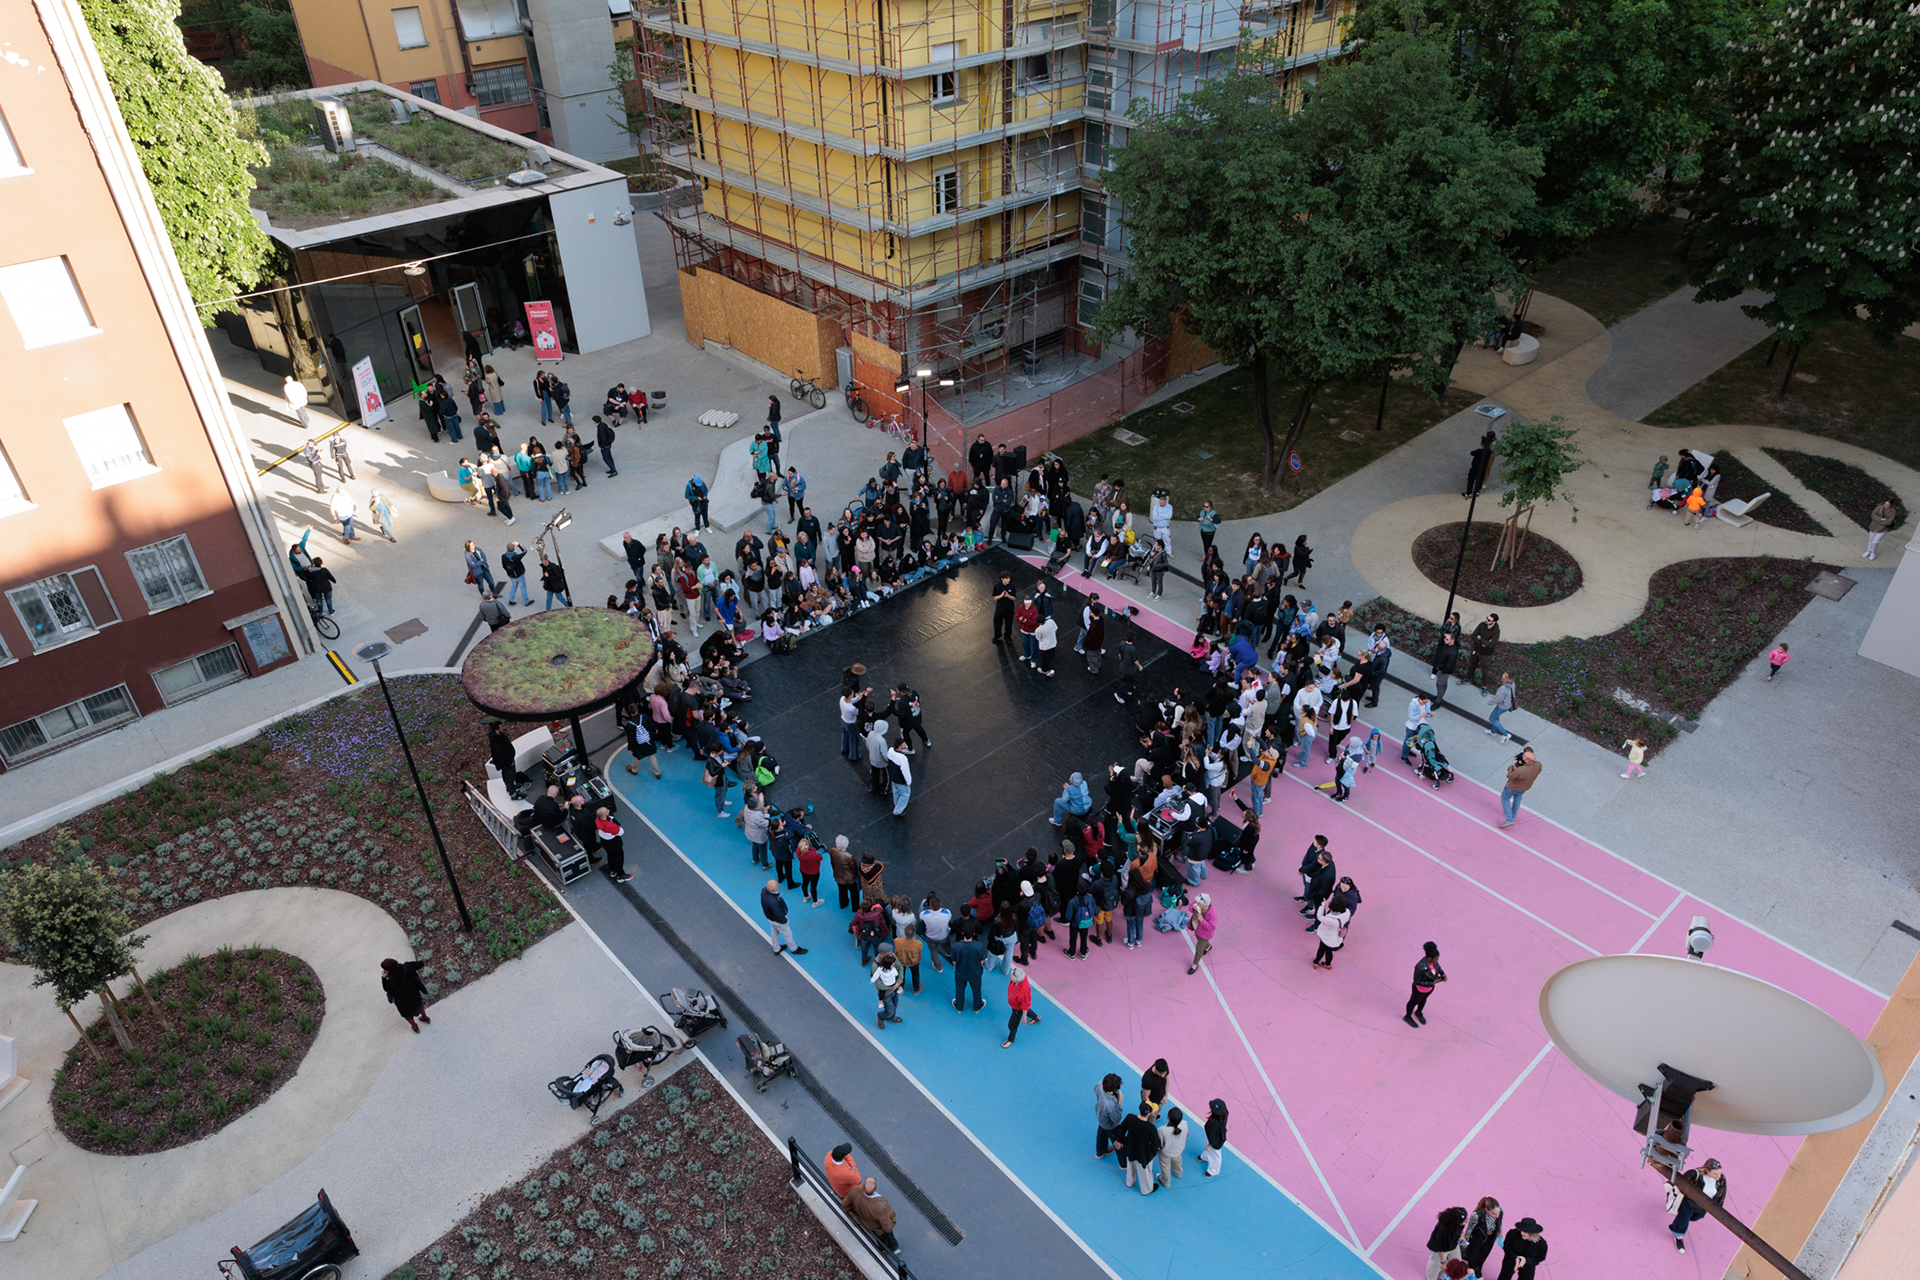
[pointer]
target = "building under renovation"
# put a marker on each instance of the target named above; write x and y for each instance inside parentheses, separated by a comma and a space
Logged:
(916, 184)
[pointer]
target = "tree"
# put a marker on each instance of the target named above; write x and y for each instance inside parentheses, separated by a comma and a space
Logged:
(1811, 194)
(75, 931)
(1357, 235)
(1614, 94)
(195, 160)
(1536, 458)
(271, 56)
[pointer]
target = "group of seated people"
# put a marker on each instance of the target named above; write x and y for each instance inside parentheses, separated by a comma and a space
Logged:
(620, 402)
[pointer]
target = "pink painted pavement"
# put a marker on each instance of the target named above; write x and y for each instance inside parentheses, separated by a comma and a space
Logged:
(1374, 1126)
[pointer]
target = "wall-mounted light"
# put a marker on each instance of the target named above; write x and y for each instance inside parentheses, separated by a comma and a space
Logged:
(415, 268)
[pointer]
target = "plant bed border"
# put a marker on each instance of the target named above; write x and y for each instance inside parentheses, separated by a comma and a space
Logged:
(236, 1044)
(1854, 492)
(682, 1181)
(1548, 574)
(1682, 650)
(1781, 511)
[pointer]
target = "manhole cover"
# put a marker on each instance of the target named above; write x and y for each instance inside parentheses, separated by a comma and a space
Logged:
(1183, 406)
(1125, 436)
(1831, 585)
(1201, 453)
(414, 627)
(1351, 437)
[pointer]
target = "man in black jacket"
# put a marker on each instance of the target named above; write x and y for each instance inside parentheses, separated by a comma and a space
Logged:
(1139, 1144)
(1710, 1180)
(553, 580)
(603, 436)
(1003, 605)
(320, 582)
(548, 811)
(774, 907)
(1482, 647)
(580, 824)
(636, 552)
(980, 458)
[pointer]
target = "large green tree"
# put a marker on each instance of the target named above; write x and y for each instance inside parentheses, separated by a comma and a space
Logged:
(1614, 94)
(74, 930)
(184, 127)
(1811, 194)
(1358, 234)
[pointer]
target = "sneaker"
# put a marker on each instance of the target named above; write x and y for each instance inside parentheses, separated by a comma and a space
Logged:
(799, 951)
(623, 877)
(1408, 1019)
(1626, 775)
(1423, 1017)
(1680, 1244)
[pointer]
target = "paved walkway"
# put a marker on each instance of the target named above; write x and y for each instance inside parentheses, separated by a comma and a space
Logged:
(1663, 349)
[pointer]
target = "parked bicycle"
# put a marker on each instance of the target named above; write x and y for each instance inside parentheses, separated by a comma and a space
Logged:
(856, 403)
(803, 389)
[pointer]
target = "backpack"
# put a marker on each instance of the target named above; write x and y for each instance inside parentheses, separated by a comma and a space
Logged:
(765, 769)
(1036, 917)
(1227, 860)
(1082, 914)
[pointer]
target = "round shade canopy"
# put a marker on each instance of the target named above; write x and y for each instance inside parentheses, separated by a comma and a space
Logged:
(555, 664)
(1778, 1064)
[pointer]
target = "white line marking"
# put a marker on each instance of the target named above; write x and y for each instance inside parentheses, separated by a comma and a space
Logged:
(1472, 1133)
(1678, 899)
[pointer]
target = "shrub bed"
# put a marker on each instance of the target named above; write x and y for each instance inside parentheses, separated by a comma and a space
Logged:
(680, 1182)
(1704, 621)
(1545, 571)
(1738, 480)
(242, 1021)
(323, 799)
(1852, 491)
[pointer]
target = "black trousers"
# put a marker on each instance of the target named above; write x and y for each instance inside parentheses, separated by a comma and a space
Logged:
(810, 886)
(616, 852)
(1417, 1002)
(910, 728)
(783, 872)
(849, 896)
(1334, 738)
(960, 987)
(1003, 623)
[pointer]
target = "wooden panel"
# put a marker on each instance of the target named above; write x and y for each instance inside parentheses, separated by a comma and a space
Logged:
(1186, 353)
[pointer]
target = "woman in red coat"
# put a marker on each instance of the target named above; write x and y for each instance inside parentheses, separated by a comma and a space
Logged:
(1020, 1001)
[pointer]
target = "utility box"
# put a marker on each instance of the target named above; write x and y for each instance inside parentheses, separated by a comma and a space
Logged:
(336, 124)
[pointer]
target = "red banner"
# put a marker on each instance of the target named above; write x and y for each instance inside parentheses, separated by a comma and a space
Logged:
(546, 338)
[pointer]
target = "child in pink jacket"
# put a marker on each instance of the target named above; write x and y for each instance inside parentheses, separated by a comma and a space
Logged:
(1777, 659)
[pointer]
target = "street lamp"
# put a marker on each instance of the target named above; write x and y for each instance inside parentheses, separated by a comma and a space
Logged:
(562, 520)
(905, 388)
(372, 652)
(1477, 473)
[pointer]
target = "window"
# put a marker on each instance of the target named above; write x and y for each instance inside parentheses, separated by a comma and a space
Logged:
(1320, 8)
(943, 86)
(1093, 219)
(12, 497)
(1092, 294)
(1096, 147)
(1036, 72)
(42, 732)
(196, 676)
(497, 85)
(428, 89)
(64, 607)
(1098, 82)
(946, 191)
(110, 446)
(45, 302)
(11, 165)
(406, 26)
(167, 573)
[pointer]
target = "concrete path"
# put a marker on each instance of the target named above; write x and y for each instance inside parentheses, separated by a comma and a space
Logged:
(1663, 349)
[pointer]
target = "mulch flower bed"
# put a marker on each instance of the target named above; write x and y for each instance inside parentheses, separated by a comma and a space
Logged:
(1545, 571)
(1852, 491)
(323, 798)
(1704, 621)
(242, 1021)
(1738, 480)
(680, 1182)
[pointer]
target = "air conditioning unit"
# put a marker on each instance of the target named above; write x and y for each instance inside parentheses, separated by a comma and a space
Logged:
(336, 124)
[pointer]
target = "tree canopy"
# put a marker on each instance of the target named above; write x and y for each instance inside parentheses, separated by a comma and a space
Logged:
(1614, 94)
(1811, 193)
(195, 160)
(1535, 459)
(1357, 235)
(72, 925)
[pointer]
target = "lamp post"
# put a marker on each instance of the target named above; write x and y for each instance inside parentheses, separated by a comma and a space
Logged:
(562, 519)
(1477, 477)
(372, 652)
(904, 387)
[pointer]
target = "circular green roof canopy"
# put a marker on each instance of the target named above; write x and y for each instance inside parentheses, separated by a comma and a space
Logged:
(556, 664)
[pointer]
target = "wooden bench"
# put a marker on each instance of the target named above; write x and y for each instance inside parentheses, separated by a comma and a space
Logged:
(1739, 513)
(718, 418)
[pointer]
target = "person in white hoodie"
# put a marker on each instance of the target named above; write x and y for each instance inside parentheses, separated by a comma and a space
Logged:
(1173, 1146)
(1047, 637)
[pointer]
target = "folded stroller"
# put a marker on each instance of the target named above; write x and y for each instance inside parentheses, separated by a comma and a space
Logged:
(646, 1048)
(595, 1083)
(1429, 761)
(767, 1060)
(692, 1011)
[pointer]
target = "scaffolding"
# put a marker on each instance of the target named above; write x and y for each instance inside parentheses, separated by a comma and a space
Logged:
(927, 173)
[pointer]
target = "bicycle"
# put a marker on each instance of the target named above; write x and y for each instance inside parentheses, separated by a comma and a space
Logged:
(803, 389)
(322, 622)
(896, 424)
(856, 403)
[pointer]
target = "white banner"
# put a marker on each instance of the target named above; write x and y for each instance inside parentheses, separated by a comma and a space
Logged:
(373, 409)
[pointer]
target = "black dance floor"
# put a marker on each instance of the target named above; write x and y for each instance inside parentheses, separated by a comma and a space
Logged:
(1005, 738)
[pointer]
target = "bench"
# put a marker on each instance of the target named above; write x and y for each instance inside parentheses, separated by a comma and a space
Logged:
(718, 418)
(498, 795)
(529, 748)
(1739, 513)
(1524, 349)
(441, 485)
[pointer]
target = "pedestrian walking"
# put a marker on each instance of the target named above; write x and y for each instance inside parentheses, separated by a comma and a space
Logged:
(501, 492)
(1777, 659)
(843, 1175)
(603, 436)
(1019, 1004)
(320, 584)
(1521, 775)
(311, 455)
(1139, 1145)
(405, 992)
(1636, 750)
(1524, 1249)
(493, 613)
(1109, 1115)
(553, 581)
(1003, 608)
(1483, 1232)
(1427, 974)
(1482, 647)
(1877, 525)
(773, 905)
(870, 1209)
(1419, 712)
(513, 562)
(1503, 700)
(382, 510)
(795, 489)
(478, 571)
(337, 446)
(1446, 659)
(1443, 1242)
(1173, 1146)
(1215, 1154)
(295, 392)
(1330, 926)
(969, 957)
(1302, 561)
(1204, 924)
(344, 509)
(886, 980)
(1711, 1181)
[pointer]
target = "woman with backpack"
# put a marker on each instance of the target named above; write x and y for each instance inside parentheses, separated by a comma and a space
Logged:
(1136, 904)
(1032, 917)
(1079, 917)
(870, 927)
(1330, 926)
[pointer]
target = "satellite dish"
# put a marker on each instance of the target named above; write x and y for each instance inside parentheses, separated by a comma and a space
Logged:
(1779, 1065)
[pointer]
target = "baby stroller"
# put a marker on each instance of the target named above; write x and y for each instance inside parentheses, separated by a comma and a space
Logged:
(1135, 563)
(591, 1088)
(692, 1011)
(646, 1048)
(1429, 761)
(767, 1060)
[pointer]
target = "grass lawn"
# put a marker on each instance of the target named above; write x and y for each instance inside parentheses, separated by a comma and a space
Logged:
(1616, 275)
(1845, 387)
(300, 189)
(1222, 425)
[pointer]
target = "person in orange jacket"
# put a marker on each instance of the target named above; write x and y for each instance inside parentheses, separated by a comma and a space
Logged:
(843, 1175)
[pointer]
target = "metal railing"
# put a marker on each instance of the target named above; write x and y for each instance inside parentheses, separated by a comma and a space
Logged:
(814, 1176)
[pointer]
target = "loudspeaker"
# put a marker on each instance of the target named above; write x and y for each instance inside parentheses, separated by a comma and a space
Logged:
(1020, 541)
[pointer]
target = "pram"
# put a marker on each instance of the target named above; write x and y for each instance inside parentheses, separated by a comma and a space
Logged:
(767, 1060)
(645, 1048)
(1429, 762)
(591, 1088)
(692, 1011)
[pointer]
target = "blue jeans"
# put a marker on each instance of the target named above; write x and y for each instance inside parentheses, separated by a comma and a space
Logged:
(543, 481)
(325, 600)
(1195, 870)
(1258, 799)
(773, 525)
(901, 794)
(1136, 928)
(850, 741)
(889, 1008)
(518, 587)
(452, 424)
(1029, 647)
(1306, 750)
(720, 794)
(1510, 803)
(483, 579)
(868, 949)
(566, 413)
(1493, 718)
(1061, 810)
(1689, 1214)
(555, 595)
(606, 457)
(1406, 744)
(560, 480)
(546, 410)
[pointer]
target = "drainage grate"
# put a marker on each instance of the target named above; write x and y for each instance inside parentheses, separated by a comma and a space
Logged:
(1906, 928)
(1127, 437)
(1183, 407)
(868, 1144)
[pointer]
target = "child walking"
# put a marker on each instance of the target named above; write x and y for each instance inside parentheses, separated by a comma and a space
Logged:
(1777, 659)
(1637, 752)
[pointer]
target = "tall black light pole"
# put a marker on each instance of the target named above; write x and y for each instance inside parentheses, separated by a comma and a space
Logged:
(1477, 474)
(373, 652)
(905, 388)
(563, 519)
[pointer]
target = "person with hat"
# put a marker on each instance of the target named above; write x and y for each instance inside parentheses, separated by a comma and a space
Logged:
(1524, 1249)
(1204, 924)
(1074, 799)
(1019, 1003)
(1711, 1181)
(843, 1175)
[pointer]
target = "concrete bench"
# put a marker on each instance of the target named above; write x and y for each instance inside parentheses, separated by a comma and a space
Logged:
(441, 485)
(1524, 349)
(499, 797)
(718, 418)
(1739, 513)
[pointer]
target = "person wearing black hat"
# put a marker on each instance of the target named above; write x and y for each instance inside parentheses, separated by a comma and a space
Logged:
(1524, 1249)
(1216, 1127)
